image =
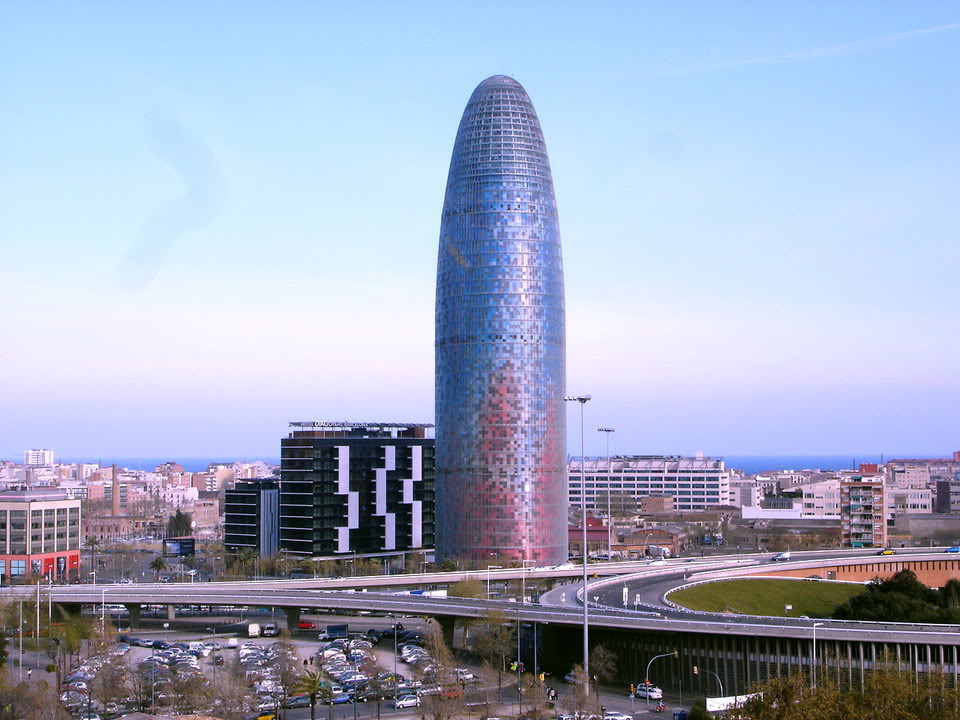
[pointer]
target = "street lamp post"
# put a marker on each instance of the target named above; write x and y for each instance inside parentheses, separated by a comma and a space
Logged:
(606, 431)
(489, 568)
(523, 580)
(583, 400)
(697, 670)
(813, 662)
(646, 676)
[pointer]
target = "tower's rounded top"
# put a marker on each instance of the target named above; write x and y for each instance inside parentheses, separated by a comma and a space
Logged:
(499, 81)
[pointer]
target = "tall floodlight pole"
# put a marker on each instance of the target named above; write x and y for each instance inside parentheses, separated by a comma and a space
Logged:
(583, 400)
(813, 664)
(606, 431)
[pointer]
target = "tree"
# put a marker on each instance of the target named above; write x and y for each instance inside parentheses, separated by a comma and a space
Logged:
(92, 543)
(286, 673)
(448, 702)
(311, 684)
(190, 692)
(903, 598)
(232, 698)
(180, 524)
(532, 694)
(109, 683)
(603, 667)
(469, 588)
(699, 711)
(495, 641)
(140, 684)
(158, 565)
(579, 701)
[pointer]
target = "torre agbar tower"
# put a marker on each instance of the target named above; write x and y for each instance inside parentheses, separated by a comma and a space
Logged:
(501, 486)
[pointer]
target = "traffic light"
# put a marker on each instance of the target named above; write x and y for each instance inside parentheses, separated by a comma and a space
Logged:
(696, 670)
(633, 688)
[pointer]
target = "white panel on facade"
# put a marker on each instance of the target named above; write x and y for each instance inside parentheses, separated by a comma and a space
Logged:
(343, 468)
(407, 491)
(416, 458)
(343, 539)
(353, 510)
(416, 539)
(390, 536)
(391, 457)
(380, 492)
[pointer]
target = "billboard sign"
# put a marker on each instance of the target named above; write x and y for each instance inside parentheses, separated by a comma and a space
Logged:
(179, 547)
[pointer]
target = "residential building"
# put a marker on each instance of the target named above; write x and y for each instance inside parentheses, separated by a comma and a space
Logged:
(500, 339)
(39, 535)
(38, 458)
(746, 492)
(863, 509)
(252, 517)
(694, 483)
(821, 498)
(356, 488)
(909, 501)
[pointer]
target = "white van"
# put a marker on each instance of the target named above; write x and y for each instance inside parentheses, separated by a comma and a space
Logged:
(253, 630)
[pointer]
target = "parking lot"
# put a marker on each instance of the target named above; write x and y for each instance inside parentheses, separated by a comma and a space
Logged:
(182, 671)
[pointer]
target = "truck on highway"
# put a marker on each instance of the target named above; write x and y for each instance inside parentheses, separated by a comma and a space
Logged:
(335, 632)
(253, 630)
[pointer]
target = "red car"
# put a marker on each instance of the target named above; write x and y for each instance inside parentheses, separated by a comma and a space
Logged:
(306, 625)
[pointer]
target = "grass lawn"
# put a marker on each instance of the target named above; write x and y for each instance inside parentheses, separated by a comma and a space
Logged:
(767, 597)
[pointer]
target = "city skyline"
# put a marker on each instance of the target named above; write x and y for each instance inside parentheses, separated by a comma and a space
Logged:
(757, 204)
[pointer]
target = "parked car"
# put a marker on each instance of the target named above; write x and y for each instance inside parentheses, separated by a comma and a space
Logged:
(306, 625)
(407, 701)
(298, 701)
(339, 698)
(614, 715)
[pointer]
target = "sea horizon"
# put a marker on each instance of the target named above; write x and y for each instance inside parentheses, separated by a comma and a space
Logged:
(750, 464)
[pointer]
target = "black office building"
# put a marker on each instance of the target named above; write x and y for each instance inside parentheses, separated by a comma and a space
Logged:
(252, 517)
(356, 488)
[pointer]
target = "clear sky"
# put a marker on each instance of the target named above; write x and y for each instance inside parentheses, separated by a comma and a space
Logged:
(217, 217)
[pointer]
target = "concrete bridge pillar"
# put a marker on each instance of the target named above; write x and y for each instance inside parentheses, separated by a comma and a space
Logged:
(171, 612)
(293, 618)
(134, 610)
(447, 626)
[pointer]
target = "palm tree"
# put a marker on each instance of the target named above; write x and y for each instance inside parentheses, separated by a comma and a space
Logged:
(312, 685)
(91, 544)
(159, 565)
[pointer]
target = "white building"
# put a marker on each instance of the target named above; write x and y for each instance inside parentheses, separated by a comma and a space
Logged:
(694, 483)
(746, 493)
(821, 499)
(37, 458)
(908, 501)
(177, 496)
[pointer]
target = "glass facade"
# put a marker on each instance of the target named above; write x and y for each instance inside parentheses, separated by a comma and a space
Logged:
(500, 337)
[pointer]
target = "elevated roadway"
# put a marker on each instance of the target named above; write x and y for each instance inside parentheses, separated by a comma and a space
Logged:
(741, 649)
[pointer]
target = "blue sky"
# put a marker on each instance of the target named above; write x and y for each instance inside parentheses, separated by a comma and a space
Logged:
(217, 217)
